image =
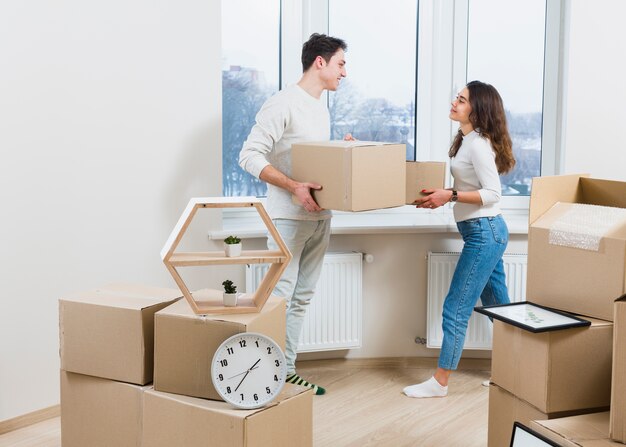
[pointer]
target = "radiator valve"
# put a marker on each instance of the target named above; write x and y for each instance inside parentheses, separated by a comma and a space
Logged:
(420, 340)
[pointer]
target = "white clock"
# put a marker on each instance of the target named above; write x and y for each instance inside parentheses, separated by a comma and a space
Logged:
(248, 370)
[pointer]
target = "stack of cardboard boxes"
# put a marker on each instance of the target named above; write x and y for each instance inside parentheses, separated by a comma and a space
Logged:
(550, 380)
(114, 338)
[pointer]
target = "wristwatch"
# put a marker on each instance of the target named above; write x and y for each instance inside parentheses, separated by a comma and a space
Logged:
(455, 196)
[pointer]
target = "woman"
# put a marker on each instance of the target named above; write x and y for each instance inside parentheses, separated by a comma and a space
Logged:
(480, 152)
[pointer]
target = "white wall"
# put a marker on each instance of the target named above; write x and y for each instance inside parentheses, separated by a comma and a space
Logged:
(109, 121)
(596, 91)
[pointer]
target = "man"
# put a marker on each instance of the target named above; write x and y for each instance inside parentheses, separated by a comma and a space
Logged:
(296, 114)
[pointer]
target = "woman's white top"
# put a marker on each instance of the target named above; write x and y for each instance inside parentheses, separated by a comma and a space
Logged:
(474, 169)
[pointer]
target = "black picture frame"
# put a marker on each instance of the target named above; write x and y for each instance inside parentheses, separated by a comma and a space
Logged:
(522, 436)
(532, 317)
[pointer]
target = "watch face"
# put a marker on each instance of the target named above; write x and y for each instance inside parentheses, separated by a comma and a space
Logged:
(248, 370)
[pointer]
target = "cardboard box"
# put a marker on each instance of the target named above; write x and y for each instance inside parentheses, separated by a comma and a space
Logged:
(100, 412)
(173, 420)
(618, 387)
(555, 371)
(580, 281)
(109, 332)
(423, 175)
(185, 343)
(355, 175)
(504, 410)
(588, 430)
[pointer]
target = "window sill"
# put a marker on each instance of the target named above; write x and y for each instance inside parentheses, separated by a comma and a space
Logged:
(400, 220)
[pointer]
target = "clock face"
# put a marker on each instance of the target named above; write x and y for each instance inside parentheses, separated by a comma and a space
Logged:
(248, 370)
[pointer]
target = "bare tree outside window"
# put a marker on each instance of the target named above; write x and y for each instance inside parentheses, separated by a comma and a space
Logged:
(508, 52)
(250, 68)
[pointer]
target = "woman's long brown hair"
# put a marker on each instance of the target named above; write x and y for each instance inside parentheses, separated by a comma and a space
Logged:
(489, 119)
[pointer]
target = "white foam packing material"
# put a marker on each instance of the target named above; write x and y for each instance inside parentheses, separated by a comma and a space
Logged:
(583, 226)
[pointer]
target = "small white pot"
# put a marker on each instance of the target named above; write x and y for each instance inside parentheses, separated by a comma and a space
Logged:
(230, 299)
(232, 250)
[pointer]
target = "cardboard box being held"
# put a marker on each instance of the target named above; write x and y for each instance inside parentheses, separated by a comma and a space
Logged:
(423, 175)
(185, 343)
(555, 371)
(173, 420)
(109, 332)
(581, 281)
(100, 412)
(618, 387)
(355, 175)
(588, 430)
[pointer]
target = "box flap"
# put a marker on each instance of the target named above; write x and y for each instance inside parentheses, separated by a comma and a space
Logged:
(603, 192)
(546, 191)
(125, 296)
(575, 430)
(344, 143)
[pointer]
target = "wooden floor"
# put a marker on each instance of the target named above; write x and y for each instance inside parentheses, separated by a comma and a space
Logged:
(364, 407)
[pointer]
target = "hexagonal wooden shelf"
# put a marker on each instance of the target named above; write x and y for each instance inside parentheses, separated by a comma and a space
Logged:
(209, 301)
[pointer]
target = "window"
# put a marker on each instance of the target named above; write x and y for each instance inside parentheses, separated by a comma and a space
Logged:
(505, 48)
(250, 75)
(378, 102)
(406, 59)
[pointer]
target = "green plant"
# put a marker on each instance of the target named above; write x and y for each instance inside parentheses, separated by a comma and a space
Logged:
(232, 240)
(229, 287)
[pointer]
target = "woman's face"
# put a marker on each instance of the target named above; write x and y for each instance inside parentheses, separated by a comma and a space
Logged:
(461, 107)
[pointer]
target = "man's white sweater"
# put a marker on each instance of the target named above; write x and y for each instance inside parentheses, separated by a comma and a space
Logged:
(290, 116)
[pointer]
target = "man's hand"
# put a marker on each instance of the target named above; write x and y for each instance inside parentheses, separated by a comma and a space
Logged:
(434, 199)
(303, 193)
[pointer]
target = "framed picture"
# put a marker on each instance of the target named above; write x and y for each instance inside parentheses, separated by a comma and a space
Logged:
(525, 437)
(532, 317)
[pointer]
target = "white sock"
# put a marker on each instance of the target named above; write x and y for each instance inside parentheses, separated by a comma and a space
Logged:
(430, 388)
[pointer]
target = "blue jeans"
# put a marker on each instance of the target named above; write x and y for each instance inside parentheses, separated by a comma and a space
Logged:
(307, 241)
(478, 274)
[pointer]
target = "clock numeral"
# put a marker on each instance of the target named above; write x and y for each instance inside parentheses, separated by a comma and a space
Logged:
(230, 350)
(257, 343)
(221, 377)
(242, 343)
(275, 378)
(267, 388)
(277, 362)
(256, 397)
(269, 350)
(224, 362)
(241, 396)
(228, 389)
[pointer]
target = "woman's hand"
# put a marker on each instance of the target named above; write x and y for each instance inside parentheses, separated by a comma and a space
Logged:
(434, 199)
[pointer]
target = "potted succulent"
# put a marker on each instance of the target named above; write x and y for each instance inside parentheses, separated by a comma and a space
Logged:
(230, 293)
(232, 246)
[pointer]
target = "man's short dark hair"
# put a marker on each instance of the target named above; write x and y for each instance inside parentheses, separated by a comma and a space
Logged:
(320, 45)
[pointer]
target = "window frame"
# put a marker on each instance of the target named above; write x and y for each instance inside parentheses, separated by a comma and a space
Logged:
(441, 70)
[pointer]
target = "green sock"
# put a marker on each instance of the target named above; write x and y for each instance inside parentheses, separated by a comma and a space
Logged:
(297, 380)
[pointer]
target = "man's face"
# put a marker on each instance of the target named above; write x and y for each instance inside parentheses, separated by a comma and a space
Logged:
(333, 70)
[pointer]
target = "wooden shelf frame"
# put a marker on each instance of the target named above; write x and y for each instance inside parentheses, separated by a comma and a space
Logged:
(250, 303)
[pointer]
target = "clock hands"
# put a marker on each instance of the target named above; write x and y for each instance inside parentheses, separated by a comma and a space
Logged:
(231, 377)
(246, 374)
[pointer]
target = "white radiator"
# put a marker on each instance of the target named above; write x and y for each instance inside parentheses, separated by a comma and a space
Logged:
(334, 317)
(440, 269)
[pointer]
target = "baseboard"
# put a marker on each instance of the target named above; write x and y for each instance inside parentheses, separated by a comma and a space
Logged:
(394, 362)
(29, 419)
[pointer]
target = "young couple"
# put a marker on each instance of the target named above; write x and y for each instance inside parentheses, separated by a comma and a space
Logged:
(479, 153)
